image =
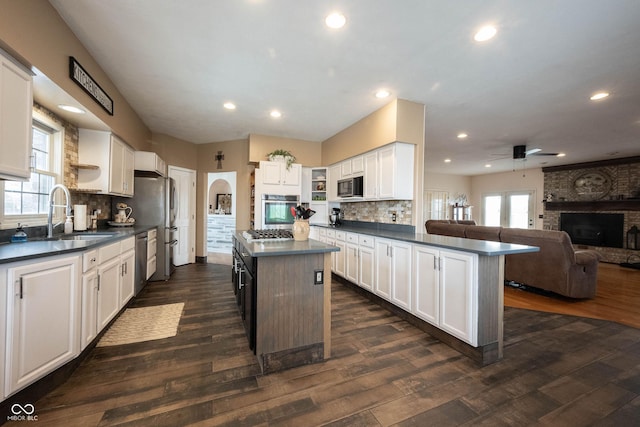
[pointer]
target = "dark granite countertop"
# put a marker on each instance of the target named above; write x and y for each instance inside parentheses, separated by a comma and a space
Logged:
(405, 234)
(38, 248)
(284, 247)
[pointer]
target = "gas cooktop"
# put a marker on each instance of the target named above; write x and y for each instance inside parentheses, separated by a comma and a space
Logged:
(267, 235)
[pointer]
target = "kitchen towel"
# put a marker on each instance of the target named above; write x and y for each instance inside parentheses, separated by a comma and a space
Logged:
(80, 217)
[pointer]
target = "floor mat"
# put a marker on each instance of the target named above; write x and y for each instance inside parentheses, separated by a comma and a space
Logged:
(144, 324)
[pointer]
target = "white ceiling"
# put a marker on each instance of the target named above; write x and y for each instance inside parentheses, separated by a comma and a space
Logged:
(177, 62)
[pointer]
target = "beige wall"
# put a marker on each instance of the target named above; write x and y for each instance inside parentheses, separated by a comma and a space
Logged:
(518, 180)
(307, 153)
(174, 151)
(400, 120)
(33, 31)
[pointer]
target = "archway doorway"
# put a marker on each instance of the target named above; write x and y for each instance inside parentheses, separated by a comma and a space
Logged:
(221, 216)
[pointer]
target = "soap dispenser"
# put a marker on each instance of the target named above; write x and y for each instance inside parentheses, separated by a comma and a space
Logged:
(20, 235)
(68, 225)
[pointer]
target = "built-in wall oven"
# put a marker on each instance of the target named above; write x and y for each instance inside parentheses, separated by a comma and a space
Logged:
(277, 212)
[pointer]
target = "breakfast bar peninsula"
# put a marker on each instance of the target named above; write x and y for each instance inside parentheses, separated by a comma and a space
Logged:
(283, 291)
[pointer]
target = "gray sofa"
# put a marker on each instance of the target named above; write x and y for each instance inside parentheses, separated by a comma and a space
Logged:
(557, 267)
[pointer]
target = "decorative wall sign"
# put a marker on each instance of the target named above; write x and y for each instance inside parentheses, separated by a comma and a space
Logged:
(592, 186)
(86, 82)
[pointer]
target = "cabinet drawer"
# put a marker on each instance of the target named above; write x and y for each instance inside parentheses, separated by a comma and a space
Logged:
(89, 260)
(351, 238)
(151, 267)
(331, 234)
(322, 232)
(152, 245)
(366, 241)
(105, 253)
(127, 244)
(152, 234)
(340, 235)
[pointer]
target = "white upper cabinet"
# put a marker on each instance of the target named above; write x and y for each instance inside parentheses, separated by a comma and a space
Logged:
(352, 167)
(276, 173)
(107, 163)
(387, 173)
(16, 103)
(395, 172)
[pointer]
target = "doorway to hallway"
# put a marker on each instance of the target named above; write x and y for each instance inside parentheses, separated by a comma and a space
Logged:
(221, 216)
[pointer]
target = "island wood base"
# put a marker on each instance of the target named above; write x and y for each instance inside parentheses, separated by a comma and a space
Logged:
(293, 314)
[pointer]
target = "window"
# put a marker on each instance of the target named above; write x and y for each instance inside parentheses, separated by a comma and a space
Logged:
(26, 202)
(513, 209)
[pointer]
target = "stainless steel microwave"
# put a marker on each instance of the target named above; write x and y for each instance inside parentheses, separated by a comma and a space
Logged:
(350, 187)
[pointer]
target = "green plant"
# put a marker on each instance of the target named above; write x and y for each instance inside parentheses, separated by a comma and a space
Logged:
(290, 158)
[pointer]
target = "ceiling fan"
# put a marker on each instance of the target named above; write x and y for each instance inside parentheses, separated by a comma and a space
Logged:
(521, 152)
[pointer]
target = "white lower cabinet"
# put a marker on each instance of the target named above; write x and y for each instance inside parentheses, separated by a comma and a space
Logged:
(340, 257)
(43, 311)
(351, 258)
(393, 271)
(89, 328)
(108, 292)
(367, 264)
(445, 286)
(152, 244)
(127, 270)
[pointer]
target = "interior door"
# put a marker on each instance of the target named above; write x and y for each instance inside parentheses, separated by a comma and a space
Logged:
(185, 210)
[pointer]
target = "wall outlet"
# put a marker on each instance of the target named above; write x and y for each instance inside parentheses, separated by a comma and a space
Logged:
(318, 277)
(394, 216)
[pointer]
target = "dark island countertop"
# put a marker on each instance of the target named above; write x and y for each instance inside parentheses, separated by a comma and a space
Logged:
(480, 247)
(65, 243)
(284, 247)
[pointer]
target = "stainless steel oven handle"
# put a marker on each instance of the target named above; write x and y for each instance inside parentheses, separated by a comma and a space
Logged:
(173, 242)
(172, 229)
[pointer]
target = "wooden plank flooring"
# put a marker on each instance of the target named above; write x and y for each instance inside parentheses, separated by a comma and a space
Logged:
(557, 370)
(617, 298)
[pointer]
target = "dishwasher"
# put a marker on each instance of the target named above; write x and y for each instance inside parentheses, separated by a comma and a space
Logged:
(141, 262)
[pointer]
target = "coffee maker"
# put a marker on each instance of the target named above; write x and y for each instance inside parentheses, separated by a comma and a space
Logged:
(334, 218)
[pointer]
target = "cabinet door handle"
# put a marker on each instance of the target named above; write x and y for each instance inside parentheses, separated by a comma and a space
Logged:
(21, 289)
(98, 283)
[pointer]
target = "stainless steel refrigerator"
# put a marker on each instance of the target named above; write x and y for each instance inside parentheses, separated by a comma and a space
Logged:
(154, 203)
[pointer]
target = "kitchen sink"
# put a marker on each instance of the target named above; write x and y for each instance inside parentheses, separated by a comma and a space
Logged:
(82, 237)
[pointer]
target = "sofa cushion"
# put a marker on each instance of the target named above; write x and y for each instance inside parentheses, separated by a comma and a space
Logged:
(481, 232)
(444, 229)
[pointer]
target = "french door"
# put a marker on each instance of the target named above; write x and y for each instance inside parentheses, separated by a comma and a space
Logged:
(513, 209)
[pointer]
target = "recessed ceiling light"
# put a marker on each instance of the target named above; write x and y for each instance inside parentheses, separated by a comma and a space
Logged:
(275, 114)
(462, 135)
(599, 95)
(229, 105)
(487, 165)
(382, 93)
(485, 33)
(335, 20)
(447, 160)
(560, 155)
(71, 109)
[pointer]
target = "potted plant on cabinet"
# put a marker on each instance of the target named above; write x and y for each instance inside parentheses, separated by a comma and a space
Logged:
(283, 156)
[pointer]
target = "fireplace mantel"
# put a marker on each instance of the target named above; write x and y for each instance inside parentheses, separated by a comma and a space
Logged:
(595, 206)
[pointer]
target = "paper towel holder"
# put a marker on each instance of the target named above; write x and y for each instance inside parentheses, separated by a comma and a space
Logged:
(80, 217)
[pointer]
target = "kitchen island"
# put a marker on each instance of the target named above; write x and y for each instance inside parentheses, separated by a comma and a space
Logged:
(450, 287)
(283, 292)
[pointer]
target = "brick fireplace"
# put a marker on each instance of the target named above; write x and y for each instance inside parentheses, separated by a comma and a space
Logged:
(611, 186)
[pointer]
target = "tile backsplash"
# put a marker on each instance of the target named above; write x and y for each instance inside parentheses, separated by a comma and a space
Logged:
(379, 211)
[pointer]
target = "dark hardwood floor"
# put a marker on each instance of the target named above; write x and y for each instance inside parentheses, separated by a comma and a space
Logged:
(557, 370)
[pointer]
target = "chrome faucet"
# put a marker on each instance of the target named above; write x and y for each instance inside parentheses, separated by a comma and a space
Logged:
(51, 206)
